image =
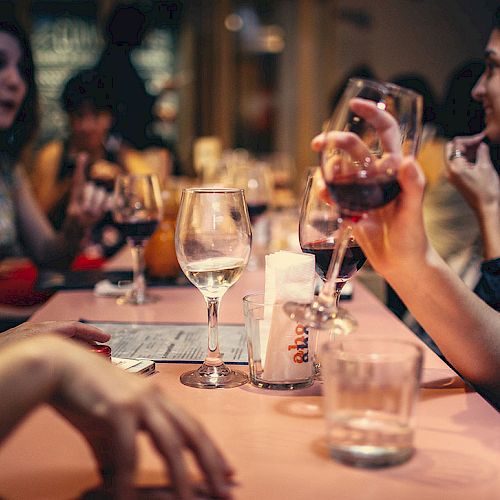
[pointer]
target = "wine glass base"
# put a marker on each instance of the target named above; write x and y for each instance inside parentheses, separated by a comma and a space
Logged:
(213, 377)
(322, 317)
(134, 299)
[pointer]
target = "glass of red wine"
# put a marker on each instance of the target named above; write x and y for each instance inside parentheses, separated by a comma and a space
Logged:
(319, 223)
(362, 183)
(137, 209)
(256, 179)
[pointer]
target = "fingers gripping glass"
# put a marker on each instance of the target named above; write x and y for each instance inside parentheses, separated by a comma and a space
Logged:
(373, 126)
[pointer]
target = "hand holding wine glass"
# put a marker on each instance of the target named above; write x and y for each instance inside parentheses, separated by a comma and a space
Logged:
(212, 243)
(361, 153)
(137, 209)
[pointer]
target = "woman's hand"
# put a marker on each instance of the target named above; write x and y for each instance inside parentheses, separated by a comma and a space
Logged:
(393, 237)
(109, 407)
(88, 202)
(469, 169)
(386, 128)
(69, 329)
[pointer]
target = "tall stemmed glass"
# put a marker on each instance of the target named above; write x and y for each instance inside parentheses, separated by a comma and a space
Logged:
(213, 242)
(255, 178)
(360, 184)
(319, 223)
(137, 209)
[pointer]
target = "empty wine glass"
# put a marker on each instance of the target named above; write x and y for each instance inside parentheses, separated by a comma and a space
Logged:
(319, 223)
(137, 209)
(213, 242)
(364, 183)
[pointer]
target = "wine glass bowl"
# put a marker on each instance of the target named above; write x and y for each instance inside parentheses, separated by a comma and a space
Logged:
(369, 181)
(137, 209)
(213, 241)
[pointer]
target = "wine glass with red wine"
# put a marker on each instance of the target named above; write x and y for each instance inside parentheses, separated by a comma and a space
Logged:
(137, 209)
(319, 223)
(358, 185)
(256, 179)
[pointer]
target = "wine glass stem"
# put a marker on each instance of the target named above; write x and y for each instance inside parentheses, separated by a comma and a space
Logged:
(330, 293)
(139, 282)
(213, 355)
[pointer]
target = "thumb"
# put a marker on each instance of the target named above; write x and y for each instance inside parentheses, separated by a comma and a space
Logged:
(412, 182)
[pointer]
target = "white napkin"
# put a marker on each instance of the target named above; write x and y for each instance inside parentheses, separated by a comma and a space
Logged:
(289, 277)
(105, 288)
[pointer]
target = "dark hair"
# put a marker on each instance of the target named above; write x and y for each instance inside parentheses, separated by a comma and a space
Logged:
(496, 19)
(419, 84)
(461, 114)
(25, 125)
(87, 87)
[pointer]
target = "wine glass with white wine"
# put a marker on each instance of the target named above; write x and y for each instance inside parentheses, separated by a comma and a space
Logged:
(213, 242)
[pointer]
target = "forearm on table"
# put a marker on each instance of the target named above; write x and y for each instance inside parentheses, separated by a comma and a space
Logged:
(28, 377)
(465, 328)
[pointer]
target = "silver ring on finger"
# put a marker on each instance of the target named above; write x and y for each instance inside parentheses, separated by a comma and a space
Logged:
(455, 154)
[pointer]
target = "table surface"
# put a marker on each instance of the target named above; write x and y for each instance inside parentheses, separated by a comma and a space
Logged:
(274, 440)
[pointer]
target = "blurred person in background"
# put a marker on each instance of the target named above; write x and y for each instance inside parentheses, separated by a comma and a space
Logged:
(24, 229)
(132, 104)
(86, 98)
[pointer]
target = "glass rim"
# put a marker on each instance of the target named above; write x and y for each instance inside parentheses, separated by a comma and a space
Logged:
(385, 85)
(137, 175)
(411, 350)
(259, 299)
(212, 190)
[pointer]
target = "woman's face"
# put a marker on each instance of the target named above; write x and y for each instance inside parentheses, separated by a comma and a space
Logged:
(487, 88)
(12, 85)
(89, 128)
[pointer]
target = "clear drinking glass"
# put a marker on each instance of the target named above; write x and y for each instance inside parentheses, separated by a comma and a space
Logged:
(213, 242)
(137, 209)
(370, 393)
(361, 184)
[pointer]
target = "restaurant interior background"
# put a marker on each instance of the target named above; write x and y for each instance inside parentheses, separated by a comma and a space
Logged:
(258, 74)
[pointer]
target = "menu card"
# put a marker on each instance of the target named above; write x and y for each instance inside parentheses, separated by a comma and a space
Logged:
(172, 342)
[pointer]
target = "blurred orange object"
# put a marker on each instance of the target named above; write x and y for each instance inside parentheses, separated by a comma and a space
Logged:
(159, 253)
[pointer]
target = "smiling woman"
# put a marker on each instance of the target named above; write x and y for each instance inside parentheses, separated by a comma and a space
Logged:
(24, 229)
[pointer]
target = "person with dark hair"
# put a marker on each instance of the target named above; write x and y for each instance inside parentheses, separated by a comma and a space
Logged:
(86, 98)
(473, 167)
(24, 230)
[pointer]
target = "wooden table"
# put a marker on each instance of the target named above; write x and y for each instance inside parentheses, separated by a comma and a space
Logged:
(275, 440)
